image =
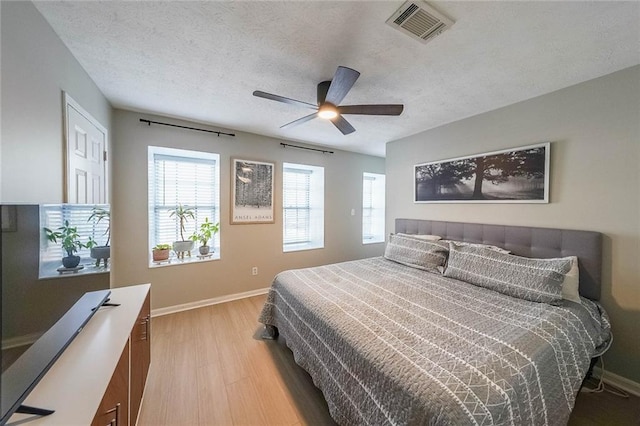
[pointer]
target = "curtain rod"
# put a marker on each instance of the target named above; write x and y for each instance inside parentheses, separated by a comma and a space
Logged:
(284, 145)
(149, 122)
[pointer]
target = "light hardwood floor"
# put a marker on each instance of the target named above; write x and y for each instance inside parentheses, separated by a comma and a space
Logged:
(210, 367)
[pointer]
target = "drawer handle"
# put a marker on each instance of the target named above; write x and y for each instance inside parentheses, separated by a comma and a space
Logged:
(116, 420)
(146, 320)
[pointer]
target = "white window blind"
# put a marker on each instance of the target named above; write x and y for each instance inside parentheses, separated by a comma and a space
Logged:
(373, 187)
(303, 207)
(53, 216)
(187, 178)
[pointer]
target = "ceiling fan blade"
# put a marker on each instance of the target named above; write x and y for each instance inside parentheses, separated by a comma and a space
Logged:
(343, 81)
(389, 109)
(322, 91)
(343, 125)
(278, 98)
(300, 120)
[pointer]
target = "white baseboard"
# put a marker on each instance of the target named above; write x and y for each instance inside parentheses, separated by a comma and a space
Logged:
(207, 302)
(620, 382)
(15, 342)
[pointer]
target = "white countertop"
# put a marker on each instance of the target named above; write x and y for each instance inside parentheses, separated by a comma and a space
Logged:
(76, 383)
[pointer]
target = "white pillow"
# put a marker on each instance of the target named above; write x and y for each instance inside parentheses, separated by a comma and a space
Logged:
(425, 237)
(571, 283)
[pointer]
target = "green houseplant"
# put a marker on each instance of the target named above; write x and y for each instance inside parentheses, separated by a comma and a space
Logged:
(182, 214)
(101, 252)
(70, 241)
(161, 252)
(204, 234)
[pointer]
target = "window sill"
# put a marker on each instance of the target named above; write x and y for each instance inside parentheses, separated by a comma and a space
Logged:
(49, 270)
(302, 247)
(372, 241)
(174, 261)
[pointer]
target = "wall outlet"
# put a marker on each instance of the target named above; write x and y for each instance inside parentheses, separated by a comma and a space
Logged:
(353, 212)
(254, 270)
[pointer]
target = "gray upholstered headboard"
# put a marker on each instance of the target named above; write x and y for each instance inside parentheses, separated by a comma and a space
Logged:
(524, 241)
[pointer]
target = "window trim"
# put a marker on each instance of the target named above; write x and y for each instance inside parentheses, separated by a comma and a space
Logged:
(316, 196)
(191, 156)
(50, 254)
(375, 238)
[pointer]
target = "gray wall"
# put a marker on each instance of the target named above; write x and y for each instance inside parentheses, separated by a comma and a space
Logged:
(594, 128)
(36, 68)
(243, 246)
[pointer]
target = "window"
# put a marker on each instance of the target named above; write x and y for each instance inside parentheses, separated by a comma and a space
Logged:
(372, 208)
(187, 178)
(79, 216)
(303, 207)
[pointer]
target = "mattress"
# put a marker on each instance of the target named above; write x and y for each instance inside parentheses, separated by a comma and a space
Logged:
(391, 344)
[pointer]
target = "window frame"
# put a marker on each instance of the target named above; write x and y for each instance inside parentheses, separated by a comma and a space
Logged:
(53, 216)
(375, 209)
(153, 208)
(314, 207)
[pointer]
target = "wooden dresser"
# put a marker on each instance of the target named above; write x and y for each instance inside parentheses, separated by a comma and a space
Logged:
(100, 377)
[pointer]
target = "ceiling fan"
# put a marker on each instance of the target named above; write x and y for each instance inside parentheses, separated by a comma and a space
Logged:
(330, 94)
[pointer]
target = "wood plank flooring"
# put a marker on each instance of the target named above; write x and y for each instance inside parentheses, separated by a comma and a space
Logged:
(209, 366)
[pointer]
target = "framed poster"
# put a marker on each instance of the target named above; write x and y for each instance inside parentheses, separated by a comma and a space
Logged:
(252, 192)
(516, 175)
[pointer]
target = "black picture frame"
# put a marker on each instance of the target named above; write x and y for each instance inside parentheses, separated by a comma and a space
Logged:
(514, 175)
(252, 192)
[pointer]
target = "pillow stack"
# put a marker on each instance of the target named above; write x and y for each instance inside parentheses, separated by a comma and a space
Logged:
(538, 280)
(418, 253)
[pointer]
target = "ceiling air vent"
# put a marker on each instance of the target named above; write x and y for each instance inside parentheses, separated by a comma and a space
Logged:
(419, 21)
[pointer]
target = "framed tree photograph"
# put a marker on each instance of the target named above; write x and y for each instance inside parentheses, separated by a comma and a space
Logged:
(252, 192)
(516, 175)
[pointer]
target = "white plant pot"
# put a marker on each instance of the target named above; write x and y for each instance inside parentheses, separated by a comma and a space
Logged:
(182, 247)
(101, 253)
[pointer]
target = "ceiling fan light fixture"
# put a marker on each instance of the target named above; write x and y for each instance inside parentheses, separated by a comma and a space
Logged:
(327, 111)
(330, 94)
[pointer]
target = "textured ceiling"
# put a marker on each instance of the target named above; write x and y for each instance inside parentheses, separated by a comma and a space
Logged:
(202, 60)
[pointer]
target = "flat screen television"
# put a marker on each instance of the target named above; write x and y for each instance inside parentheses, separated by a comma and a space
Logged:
(19, 379)
(39, 317)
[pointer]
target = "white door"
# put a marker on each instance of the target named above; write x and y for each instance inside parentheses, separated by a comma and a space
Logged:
(86, 156)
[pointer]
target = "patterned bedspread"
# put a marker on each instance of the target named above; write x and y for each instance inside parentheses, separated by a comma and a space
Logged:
(390, 344)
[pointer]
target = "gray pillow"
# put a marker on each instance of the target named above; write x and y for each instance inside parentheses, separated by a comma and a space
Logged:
(416, 252)
(465, 244)
(538, 280)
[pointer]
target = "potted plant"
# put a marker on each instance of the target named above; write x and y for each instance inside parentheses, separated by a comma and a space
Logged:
(101, 252)
(183, 214)
(70, 241)
(206, 232)
(161, 252)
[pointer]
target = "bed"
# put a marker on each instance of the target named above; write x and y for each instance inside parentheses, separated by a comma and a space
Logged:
(397, 340)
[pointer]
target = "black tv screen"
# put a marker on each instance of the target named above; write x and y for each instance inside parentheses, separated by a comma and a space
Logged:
(26, 371)
(38, 321)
